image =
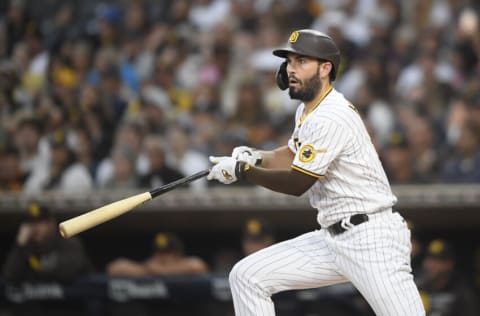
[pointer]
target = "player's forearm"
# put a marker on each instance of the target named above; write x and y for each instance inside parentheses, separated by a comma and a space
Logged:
(280, 158)
(285, 181)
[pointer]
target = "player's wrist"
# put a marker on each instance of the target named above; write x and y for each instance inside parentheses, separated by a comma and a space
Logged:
(241, 168)
(248, 154)
(256, 157)
(259, 159)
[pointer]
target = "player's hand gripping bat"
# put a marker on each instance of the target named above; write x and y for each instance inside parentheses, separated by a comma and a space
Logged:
(105, 213)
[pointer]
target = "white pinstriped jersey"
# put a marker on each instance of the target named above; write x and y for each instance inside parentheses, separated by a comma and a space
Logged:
(332, 144)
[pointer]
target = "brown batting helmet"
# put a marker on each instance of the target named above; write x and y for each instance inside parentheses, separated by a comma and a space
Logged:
(315, 44)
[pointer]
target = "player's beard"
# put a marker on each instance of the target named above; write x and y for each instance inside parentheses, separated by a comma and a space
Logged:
(307, 90)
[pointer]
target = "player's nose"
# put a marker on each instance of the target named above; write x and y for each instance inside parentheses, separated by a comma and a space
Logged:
(291, 73)
(290, 70)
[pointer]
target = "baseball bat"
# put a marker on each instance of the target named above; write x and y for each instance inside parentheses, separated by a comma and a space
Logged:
(105, 213)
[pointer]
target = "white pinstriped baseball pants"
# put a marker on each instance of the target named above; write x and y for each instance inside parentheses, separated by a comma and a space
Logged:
(374, 256)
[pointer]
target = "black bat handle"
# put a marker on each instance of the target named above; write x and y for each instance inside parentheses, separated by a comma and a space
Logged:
(172, 185)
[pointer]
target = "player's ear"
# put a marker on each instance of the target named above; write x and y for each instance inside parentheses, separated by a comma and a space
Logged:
(282, 76)
(326, 69)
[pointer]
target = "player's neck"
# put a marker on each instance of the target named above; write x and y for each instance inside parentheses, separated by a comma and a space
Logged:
(322, 93)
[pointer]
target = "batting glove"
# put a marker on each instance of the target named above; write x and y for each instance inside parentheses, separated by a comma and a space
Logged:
(227, 170)
(247, 154)
(223, 170)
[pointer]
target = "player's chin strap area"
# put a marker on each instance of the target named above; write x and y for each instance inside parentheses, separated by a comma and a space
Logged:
(347, 223)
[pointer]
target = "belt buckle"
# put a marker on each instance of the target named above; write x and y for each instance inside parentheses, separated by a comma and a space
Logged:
(346, 224)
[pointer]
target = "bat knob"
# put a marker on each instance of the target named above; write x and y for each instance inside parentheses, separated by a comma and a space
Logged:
(63, 231)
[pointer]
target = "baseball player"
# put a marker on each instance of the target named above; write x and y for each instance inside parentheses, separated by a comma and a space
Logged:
(331, 156)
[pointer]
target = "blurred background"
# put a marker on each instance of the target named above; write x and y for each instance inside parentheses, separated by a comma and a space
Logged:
(103, 99)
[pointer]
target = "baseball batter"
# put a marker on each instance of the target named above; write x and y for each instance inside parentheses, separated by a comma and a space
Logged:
(331, 156)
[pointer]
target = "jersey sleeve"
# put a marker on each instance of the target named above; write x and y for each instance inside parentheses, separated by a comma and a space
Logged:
(322, 141)
(291, 144)
(291, 140)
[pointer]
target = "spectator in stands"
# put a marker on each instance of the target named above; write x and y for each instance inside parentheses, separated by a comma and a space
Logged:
(206, 14)
(164, 79)
(168, 258)
(184, 158)
(83, 150)
(464, 166)
(123, 176)
(376, 112)
(257, 234)
(12, 177)
(397, 158)
(35, 77)
(128, 139)
(466, 50)
(33, 152)
(94, 121)
(131, 47)
(81, 59)
(109, 18)
(424, 148)
(250, 114)
(66, 174)
(9, 80)
(17, 20)
(443, 287)
(159, 172)
(156, 108)
(474, 107)
(40, 254)
(114, 93)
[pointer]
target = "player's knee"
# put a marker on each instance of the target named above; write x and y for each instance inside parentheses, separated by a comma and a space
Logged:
(236, 274)
(242, 276)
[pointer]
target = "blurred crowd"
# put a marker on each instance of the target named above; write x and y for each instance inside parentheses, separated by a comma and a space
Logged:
(128, 94)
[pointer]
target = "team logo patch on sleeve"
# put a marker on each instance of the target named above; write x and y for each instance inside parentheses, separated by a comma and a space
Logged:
(307, 153)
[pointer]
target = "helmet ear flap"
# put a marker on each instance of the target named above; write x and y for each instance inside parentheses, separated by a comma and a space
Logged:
(282, 76)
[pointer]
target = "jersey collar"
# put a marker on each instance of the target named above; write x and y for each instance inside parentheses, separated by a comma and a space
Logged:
(320, 99)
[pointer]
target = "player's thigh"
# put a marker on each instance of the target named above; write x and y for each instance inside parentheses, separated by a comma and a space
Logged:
(376, 259)
(303, 262)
